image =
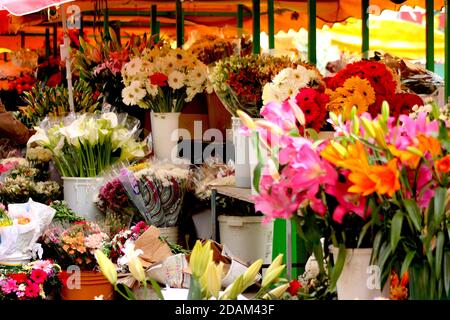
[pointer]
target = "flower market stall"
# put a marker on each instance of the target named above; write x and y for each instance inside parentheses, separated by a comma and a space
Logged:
(167, 158)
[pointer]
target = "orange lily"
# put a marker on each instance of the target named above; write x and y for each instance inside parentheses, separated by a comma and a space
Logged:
(443, 165)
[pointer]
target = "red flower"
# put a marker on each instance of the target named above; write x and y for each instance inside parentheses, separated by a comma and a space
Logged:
(294, 286)
(63, 276)
(19, 277)
(313, 105)
(38, 276)
(32, 290)
(402, 103)
(159, 79)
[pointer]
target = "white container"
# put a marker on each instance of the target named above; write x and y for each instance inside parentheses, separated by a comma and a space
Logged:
(171, 233)
(253, 155)
(165, 135)
(81, 195)
(241, 155)
(247, 238)
(359, 280)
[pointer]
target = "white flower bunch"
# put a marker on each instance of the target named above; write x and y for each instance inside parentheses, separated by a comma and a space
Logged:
(287, 83)
(162, 79)
(89, 144)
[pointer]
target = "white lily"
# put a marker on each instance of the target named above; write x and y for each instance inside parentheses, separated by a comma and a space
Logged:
(131, 258)
(112, 119)
(39, 137)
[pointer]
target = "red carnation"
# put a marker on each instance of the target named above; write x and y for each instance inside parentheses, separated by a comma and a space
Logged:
(159, 79)
(402, 103)
(19, 277)
(294, 286)
(38, 276)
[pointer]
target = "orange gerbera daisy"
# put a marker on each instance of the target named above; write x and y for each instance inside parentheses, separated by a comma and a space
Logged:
(443, 165)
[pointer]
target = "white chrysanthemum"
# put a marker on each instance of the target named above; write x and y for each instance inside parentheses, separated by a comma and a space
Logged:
(151, 88)
(176, 80)
(271, 93)
(133, 94)
(168, 65)
(197, 75)
(134, 66)
(281, 76)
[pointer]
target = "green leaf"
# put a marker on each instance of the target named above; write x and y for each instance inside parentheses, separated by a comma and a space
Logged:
(337, 269)
(157, 289)
(447, 272)
(407, 262)
(414, 213)
(257, 176)
(195, 290)
(363, 232)
(396, 229)
(376, 247)
(439, 252)
(439, 205)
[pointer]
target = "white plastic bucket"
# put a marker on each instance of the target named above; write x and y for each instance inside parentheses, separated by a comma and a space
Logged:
(165, 135)
(171, 233)
(247, 238)
(241, 155)
(359, 280)
(81, 195)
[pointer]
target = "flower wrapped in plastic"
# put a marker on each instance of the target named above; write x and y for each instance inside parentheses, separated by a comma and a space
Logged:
(25, 222)
(85, 145)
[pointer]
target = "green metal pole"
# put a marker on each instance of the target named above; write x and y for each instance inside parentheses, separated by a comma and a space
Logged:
(180, 24)
(430, 34)
(271, 16)
(240, 19)
(447, 51)
(256, 27)
(106, 35)
(47, 43)
(154, 22)
(312, 36)
(365, 28)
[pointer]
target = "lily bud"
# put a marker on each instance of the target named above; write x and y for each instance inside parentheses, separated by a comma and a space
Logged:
(106, 266)
(415, 151)
(367, 124)
(339, 148)
(251, 272)
(277, 292)
(246, 120)
(211, 280)
(272, 127)
(385, 110)
(271, 276)
(299, 115)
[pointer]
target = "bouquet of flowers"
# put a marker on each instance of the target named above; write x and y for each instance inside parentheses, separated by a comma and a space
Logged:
(33, 281)
(289, 81)
(114, 202)
(163, 79)
(380, 183)
(74, 244)
(26, 182)
(89, 144)
(43, 101)
(115, 248)
(157, 191)
(21, 227)
(366, 84)
(239, 81)
(211, 48)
